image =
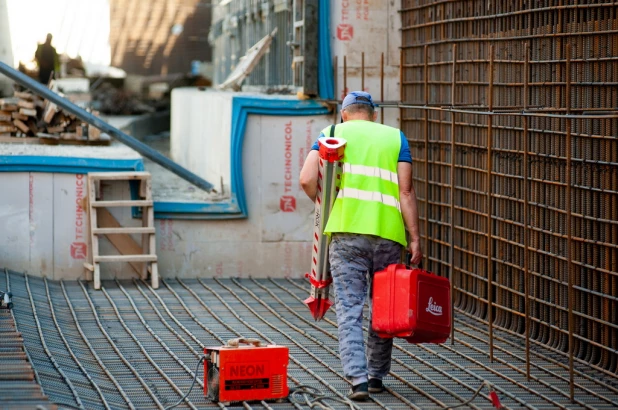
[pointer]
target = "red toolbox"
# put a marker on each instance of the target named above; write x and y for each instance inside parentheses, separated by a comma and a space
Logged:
(411, 303)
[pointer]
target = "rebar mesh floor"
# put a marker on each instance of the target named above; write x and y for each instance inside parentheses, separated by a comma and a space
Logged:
(129, 346)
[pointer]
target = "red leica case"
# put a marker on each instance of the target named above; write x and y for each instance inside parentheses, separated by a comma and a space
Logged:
(412, 304)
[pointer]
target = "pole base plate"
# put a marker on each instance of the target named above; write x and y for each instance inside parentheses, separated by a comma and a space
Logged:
(318, 307)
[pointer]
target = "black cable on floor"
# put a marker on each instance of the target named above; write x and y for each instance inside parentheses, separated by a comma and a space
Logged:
(197, 369)
(312, 397)
(492, 395)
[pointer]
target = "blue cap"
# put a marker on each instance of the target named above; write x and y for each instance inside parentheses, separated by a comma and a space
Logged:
(352, 98)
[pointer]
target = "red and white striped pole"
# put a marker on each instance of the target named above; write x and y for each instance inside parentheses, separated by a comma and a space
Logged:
(329, 179)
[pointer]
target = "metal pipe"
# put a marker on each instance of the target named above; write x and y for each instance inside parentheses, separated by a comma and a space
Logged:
(87, 117)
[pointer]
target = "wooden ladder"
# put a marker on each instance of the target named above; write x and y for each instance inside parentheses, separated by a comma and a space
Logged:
(144, 258)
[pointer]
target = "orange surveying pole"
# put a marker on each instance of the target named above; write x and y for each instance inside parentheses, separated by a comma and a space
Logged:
(329, 178)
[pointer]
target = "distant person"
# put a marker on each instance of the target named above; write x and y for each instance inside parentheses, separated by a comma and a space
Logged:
(47, 59)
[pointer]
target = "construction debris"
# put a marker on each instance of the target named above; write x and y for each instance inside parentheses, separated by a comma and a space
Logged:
(117, 101)
(28, 115)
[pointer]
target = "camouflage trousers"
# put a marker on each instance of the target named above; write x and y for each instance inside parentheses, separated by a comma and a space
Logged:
(353, 260)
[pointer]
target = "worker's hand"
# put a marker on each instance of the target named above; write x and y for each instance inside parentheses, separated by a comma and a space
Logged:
(415, 251)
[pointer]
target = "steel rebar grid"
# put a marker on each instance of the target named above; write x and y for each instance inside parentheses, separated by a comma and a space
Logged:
(530, 211)
(175, 322)
(21, 383)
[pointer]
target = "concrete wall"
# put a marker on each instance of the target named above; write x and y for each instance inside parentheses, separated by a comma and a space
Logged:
(275, 238)
(201, 124)
(43, 228)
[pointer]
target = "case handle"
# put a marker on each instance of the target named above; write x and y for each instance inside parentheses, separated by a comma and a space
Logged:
(241, 340)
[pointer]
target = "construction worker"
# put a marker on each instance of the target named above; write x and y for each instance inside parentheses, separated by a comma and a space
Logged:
(367, 230)
(47, 59)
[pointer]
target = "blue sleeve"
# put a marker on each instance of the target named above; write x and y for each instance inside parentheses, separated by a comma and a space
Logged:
(315, 146)
(404, 151)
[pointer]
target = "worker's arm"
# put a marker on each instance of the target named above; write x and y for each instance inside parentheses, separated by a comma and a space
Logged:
(409, 210)
(309, 174)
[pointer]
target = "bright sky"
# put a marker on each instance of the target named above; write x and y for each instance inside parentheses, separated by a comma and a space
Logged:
(78, 26)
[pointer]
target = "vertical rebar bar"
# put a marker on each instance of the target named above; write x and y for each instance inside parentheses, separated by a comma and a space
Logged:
(335, 72)
(571, 295)
(401, 89)
(526, 233)
(489, 211)
(452, 270)
(345, 76)
(363, 71)
(382, 87)
(426, 135)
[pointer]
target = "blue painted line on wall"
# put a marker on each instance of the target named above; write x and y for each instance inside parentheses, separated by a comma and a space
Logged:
(325, 59)
(66, 165)
(260, 105)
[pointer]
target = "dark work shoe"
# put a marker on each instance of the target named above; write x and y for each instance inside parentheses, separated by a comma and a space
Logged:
(359, 392)
(375, 386)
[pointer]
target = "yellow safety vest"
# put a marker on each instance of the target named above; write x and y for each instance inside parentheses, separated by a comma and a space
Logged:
(368, 198)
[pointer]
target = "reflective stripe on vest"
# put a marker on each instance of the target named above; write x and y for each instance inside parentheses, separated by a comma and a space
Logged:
(370, 196)
(384, 174)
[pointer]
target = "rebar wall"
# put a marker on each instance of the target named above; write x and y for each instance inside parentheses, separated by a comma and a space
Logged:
(511, 111)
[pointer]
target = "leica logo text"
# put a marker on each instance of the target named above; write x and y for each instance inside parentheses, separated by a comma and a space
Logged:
(434, 308)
